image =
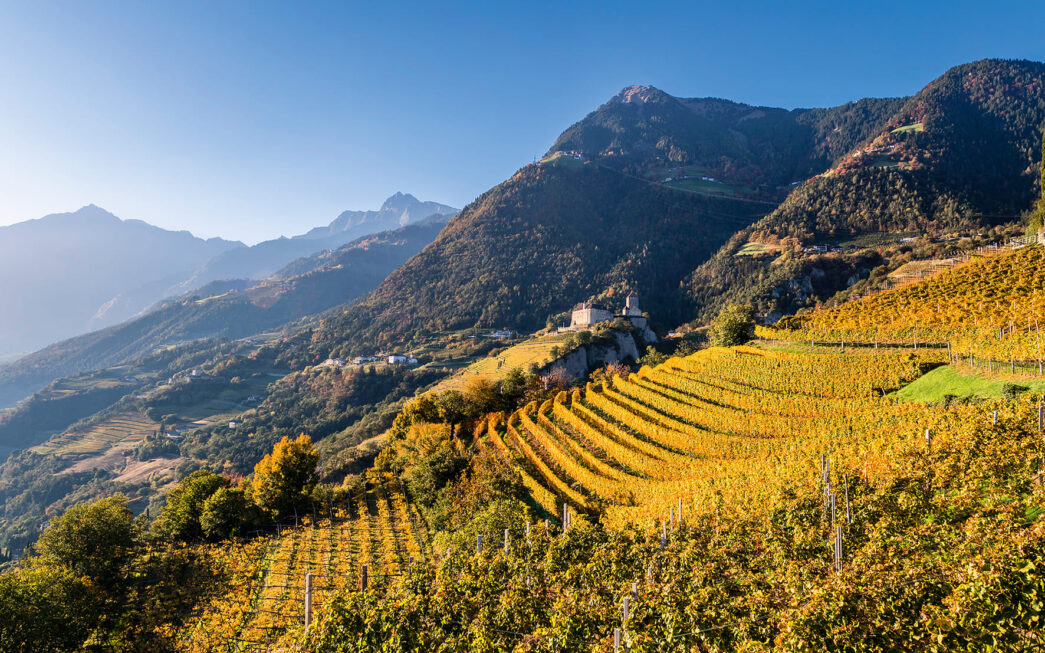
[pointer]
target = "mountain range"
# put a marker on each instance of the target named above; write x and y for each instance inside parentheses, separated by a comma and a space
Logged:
(69, 273)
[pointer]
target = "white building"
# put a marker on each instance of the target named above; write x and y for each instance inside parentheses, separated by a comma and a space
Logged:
(587, 314)
(396, 359)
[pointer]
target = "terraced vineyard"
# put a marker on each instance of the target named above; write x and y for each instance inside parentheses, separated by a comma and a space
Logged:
(125, 428)
(263, 603)
(723, 426)
(992, 307)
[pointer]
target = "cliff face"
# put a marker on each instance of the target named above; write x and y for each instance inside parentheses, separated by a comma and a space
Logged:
(586, 358)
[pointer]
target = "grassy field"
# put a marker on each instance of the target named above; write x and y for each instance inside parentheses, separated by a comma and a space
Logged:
(877, 239)
(536, 351)
(709, 187)
(119, 429)
(562, 160)
(947, 380)
(756, 249)
(913, 127)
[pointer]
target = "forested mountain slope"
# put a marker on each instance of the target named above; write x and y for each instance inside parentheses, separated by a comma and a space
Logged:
(961, 155)
(532, 247)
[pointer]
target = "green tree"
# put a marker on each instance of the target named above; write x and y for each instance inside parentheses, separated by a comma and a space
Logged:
(225, 513)
(180, 518)
(94, 541)
(734, 325)
(284, 478)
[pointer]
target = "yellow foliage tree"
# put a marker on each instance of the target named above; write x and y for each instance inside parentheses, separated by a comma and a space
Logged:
(284, 478)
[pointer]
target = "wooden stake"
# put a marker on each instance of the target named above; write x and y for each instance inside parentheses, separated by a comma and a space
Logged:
(627, 601)
(928, 438)
(308, 601)
(848, 513)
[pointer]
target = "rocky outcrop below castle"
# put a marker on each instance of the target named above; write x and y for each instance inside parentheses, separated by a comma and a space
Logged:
(622, 347)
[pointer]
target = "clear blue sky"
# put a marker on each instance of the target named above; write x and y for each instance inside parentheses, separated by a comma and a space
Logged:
(251, 120)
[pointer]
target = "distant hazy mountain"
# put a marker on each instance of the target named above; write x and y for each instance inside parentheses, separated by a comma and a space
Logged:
(264, 259)
(70, 273)
(233, 309)
(57, 271)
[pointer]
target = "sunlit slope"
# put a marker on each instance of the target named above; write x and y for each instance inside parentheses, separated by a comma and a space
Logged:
(731, 426)
(992, 306)
(264, 605)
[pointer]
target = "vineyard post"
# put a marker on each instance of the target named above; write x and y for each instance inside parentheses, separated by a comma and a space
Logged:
(928, 439)
(546, 527)
(634, 590)
(565, 516)
(663, 535)
(649, 572)
(627, 604)
(478, 544)
(295, 516)
(506, 541)
(527, 531)
(848, 513)
(834, 513)
(1041, 415)
(1012, 366)
(308, 601)
(994, 419)
(949, 359)
(680, 511)
(363, 578)
(827, 502)
(839, 550)
(616, 640)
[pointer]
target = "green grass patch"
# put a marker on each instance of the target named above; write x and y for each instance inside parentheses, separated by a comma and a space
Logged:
(562, 160)
(709, 187)
(755, 249)
(913, 127)
(946, 380)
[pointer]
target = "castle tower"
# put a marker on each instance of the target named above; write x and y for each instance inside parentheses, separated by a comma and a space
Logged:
(631, 306)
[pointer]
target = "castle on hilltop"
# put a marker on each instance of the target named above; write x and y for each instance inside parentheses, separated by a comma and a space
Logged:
(588, 314)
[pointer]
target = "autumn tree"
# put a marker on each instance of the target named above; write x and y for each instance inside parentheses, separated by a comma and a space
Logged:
(284, 478)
